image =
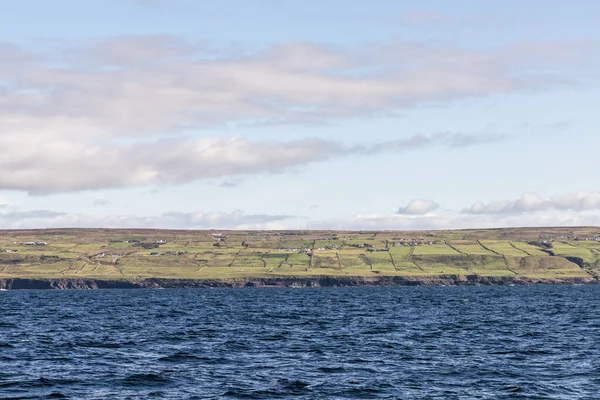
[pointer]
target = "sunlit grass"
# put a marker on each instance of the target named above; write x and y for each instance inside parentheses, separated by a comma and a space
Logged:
(193, 255)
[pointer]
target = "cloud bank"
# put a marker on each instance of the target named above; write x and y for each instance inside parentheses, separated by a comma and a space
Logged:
(529, 203)
(139, 84)
(42, 166)
(565, 210)
(36, 219)
(418, 207)
(445, 222)
(117, 112)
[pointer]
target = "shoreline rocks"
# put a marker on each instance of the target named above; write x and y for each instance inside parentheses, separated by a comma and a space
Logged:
(299, 282)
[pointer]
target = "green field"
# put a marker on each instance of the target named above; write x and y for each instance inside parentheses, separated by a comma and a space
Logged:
(136, 254)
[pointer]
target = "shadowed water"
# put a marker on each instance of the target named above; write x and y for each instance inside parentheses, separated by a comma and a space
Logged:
(538, 342)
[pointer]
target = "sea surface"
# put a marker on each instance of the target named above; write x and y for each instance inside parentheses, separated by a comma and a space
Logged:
(540, 342)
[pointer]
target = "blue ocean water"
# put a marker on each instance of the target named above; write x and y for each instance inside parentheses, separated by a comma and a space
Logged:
(540, 342)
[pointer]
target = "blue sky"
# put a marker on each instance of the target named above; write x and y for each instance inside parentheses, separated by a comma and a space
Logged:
(299, 114)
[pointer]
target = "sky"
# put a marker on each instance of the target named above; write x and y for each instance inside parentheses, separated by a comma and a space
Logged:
(289, 114)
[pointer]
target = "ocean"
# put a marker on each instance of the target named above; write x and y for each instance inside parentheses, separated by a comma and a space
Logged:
(533, 342)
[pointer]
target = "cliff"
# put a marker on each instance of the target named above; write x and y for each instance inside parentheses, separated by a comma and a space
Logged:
(442, 280)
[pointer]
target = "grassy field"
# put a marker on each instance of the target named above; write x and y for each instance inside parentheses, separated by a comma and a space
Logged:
(135, 254)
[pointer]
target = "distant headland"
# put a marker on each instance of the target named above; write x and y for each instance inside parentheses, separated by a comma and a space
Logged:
(143, 258)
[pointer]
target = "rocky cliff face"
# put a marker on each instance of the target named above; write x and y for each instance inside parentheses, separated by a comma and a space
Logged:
(442, 280)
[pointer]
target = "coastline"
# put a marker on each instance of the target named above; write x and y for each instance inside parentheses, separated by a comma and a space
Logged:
(125, 258)
(282, 282)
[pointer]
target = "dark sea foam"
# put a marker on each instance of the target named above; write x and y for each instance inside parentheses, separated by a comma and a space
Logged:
(538, 342)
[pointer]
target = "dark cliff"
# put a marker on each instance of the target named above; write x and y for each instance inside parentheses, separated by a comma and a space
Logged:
(442, 280)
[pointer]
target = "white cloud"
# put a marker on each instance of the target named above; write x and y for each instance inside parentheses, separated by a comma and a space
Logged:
(36, 219)
(134, 86)
(11, 218)
(101, 115)
(442, 222)
(533, 202)
(42, 166)
(231, 183)
(418, 207)
(101, 202)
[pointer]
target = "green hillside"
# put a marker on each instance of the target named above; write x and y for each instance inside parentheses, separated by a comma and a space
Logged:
(136, 254)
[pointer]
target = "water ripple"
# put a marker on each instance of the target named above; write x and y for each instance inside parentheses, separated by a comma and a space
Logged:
(344, 343)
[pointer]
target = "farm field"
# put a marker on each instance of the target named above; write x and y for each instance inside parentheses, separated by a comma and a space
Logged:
(204, 255)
